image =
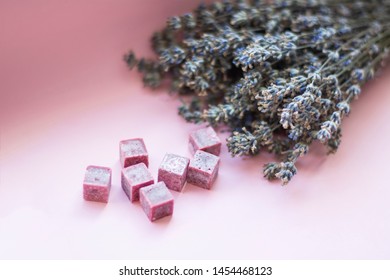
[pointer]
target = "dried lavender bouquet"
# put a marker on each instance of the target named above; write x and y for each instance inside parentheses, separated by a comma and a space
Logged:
(279, 74)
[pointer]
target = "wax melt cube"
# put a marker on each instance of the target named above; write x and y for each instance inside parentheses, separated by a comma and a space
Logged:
(133, 151)
(97, 183)
(203, 169)
(156, 201)
(205, 139)
(173, 171)
(133, 178)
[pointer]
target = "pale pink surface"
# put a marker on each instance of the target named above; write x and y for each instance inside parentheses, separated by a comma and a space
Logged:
(67, 99)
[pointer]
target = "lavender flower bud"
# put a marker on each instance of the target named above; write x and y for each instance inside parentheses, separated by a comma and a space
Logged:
(358, 75)
(285, 118)
(295, 133)
(270, 169)
(343, 107)
(188, 21)
(300, 149)
(336, 118)
(374, 49)
(287, 171)
(294, 72)
(334, 56)
(336, 93)
(130, 59)
(332, 80)
(323, 135)
(315, 77)
(329, 126)
(243, 143)
(354, 90)
(239, 19)
(284, 175)
(174, 23)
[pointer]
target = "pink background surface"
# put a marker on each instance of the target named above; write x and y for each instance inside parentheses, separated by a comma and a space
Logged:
(67, 99)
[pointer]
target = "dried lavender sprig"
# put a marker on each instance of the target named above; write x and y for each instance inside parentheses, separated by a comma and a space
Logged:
(281, 75)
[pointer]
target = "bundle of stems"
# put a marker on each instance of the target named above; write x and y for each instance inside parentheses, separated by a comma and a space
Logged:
(279, 74)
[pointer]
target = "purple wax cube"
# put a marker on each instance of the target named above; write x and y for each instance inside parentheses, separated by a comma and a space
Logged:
(133, 178)
(173, 171)
(133, 151)
(203, 169)
(205, 139)
(97, 183)
(156, 201)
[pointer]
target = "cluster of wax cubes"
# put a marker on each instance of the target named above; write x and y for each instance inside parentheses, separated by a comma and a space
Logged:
(137, 182)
